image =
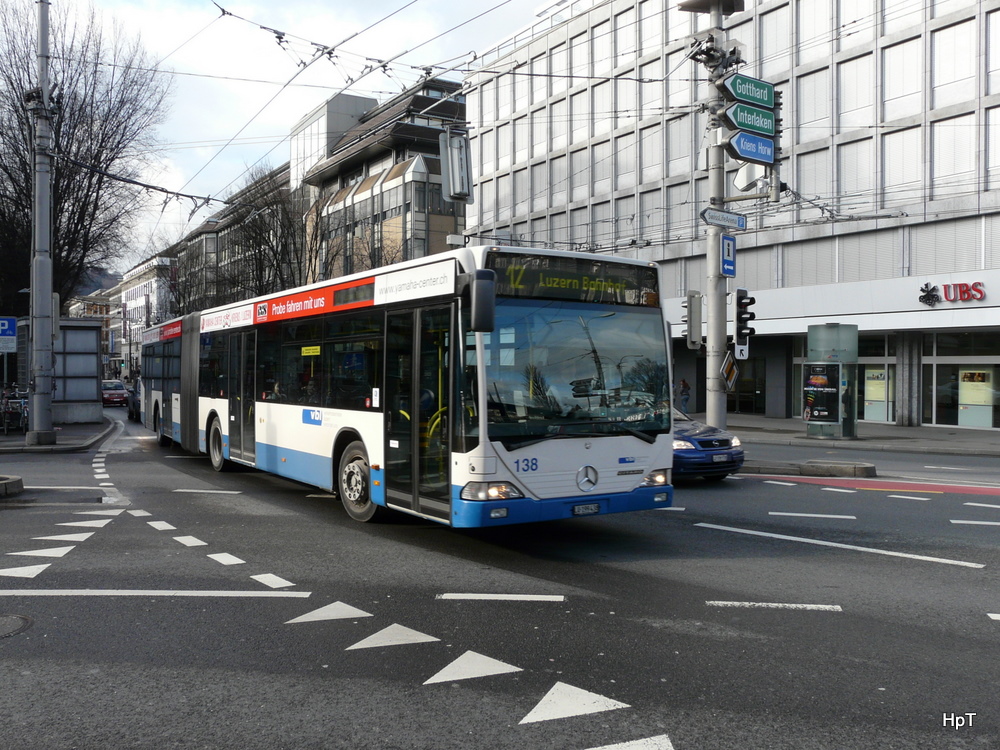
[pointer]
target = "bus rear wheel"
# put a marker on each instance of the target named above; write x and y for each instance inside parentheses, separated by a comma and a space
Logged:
(215, 446)
(354, 484)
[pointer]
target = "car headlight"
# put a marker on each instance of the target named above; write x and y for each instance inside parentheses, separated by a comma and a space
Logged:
(736, 443)
(656, 478)
(490, 491)
(683, 445)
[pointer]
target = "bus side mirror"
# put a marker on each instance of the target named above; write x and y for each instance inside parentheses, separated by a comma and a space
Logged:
(483, 300)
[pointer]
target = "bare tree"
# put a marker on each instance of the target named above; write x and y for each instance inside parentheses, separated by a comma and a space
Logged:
(108, 97)
(270, 241)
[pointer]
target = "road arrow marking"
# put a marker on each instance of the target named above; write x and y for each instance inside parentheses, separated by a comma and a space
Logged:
(81, 537)
(394, 635)
(50, 552)
(471, 665)
(563, 701)
(29, 572)
(335, 611)
(88, 524)
(660, 742)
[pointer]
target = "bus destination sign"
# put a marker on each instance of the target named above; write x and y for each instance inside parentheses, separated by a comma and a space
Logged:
(585, 280)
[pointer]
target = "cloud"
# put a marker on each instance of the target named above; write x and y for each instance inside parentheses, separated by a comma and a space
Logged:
(239, 84)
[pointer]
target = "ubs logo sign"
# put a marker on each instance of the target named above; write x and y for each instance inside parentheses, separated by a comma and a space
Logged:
(930, 296)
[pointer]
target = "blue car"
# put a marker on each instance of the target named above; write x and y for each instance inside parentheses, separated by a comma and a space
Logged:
(701, 450)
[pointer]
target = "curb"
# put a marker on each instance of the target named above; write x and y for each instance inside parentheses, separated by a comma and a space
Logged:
(10, 486)
(810, 468)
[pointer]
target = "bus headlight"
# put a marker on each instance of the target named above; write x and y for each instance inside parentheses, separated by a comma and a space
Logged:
(490, 491)
(656, 478)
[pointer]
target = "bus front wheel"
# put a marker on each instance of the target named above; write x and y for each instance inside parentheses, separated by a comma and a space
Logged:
(215, 443)
(354, 484)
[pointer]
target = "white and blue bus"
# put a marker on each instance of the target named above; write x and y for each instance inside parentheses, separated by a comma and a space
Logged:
(479, 387)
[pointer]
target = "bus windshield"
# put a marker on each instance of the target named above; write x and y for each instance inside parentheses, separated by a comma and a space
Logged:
(567, 368)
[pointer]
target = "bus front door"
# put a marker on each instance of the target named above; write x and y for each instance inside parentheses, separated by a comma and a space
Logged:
(418, 438)
(242, 391)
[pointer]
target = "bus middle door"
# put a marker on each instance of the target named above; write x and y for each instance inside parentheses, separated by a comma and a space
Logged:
(418, 436)
(242, 393)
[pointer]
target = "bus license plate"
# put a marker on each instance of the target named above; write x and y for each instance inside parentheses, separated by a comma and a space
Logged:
(586, 510)
(720, 457)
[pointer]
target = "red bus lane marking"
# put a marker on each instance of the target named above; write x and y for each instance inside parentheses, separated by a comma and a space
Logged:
(890, 485)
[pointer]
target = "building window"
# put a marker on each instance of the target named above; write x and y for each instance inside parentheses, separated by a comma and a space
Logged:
(814, 106)
(856, 93)
(814, 30)
(901, 82)
(954, 163)
(600, 173)
(775, 50)
(953, 66)
(902, 174)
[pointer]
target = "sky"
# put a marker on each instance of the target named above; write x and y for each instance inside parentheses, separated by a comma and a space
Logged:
(237, 83)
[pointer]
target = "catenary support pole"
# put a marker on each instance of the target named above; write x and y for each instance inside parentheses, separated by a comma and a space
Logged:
(40, 426)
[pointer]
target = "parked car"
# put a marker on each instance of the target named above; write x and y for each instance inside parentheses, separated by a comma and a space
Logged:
(701, 450)
(113, 393)
(134, 401)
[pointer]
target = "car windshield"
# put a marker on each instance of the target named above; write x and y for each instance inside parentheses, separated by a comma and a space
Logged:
(571, 368)
(113, 385)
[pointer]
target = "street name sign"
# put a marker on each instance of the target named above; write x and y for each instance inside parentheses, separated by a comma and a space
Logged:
(740, 88)
(728, 251)
(721, 218)
(749, 147)
(754, 119)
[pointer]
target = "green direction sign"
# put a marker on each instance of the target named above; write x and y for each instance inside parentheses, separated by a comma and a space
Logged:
(753, 119)
(740, 88)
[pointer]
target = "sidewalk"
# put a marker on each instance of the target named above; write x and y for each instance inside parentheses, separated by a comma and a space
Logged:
(70, 438)
(872, 436)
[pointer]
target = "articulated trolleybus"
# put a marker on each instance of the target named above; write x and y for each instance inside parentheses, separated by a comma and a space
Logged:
(479, 387)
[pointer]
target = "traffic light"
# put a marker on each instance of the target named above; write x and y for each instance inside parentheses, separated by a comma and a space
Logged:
(693, 319)
(744, 315)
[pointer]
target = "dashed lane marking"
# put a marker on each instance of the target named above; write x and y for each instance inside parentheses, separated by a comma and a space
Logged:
(977, 523)
(838, 489)
(778, 605)
(162, 526)
(783, 484)
(225, 558)
(910, 497)
(812, 515)
(563, 701)
(210, 492)
(115, 512)
(139, 513)
(982, 505)
(471, 665)
(506, 597)
(272, 581)
(994, 617)
(190, 541)
(838, 545)
(156, 593)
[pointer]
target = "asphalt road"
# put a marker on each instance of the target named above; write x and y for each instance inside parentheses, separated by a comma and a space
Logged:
(238, 610)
